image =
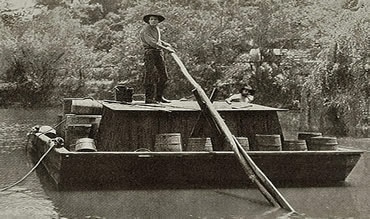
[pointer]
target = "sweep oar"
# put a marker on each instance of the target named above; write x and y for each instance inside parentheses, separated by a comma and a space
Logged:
(247, 164)
(262, 177)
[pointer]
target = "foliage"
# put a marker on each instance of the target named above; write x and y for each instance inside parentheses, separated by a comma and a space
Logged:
(45, 54)
(338, 80)
(59, 52)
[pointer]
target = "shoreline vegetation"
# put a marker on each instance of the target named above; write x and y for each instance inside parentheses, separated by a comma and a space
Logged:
(308, 56)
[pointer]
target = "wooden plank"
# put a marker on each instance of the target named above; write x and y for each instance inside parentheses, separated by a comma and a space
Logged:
(82, 119)
(86, 106)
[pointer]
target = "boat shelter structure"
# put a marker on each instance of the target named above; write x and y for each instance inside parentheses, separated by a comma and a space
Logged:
(131, 126)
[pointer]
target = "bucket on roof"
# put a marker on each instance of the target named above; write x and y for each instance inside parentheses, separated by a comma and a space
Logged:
(123, 93)
(168, 142)
(85, 145)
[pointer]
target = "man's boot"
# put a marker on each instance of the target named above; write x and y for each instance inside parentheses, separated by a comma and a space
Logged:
(159, 96)
(149, 94)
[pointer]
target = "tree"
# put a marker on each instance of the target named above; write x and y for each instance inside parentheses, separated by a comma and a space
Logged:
(335, 82)
(46, 53)
(214, 38)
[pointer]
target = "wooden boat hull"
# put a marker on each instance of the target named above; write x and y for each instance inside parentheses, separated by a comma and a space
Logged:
(221, 169)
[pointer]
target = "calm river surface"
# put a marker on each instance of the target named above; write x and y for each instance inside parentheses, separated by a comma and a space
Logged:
(36, 197)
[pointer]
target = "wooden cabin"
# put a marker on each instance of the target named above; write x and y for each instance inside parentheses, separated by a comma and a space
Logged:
(131, 126)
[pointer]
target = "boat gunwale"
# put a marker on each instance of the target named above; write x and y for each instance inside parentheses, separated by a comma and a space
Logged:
(347, 157)
(64, 151)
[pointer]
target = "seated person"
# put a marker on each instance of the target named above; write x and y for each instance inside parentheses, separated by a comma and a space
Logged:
(245, 95)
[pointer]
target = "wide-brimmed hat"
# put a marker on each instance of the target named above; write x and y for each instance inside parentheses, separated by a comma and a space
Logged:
(248, 88)
(147, 17)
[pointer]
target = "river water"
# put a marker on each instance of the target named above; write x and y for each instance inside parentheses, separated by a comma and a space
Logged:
(36, 197)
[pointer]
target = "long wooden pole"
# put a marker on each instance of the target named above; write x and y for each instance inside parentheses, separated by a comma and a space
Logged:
(269, 186)
(253, 173)
(249, 171)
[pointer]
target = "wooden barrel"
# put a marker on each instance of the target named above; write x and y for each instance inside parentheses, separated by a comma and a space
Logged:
(199, 144)
(307, 136)
(168, 142)
(268, 142)
(243, 141)
(85, 145)
(322, 143)
(294, 145)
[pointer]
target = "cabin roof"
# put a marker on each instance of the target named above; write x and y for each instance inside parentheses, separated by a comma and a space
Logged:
(178, 105)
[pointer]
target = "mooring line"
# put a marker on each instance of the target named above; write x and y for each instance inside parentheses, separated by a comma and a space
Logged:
(29, 172)
(52, 144)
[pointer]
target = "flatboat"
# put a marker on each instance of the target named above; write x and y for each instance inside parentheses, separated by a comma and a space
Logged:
(115, 145)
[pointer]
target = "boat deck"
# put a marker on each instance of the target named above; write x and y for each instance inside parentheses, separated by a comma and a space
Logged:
(179, 105)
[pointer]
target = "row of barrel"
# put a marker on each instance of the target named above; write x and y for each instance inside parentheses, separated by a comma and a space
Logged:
(307, 141)
(315, 141)
(172, 142)
(311, 141)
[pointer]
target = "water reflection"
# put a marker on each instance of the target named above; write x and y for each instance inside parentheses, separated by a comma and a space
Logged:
(28, 199)
(163, 204)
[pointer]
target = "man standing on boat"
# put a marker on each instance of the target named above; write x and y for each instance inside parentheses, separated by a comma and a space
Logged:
(155, 77)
